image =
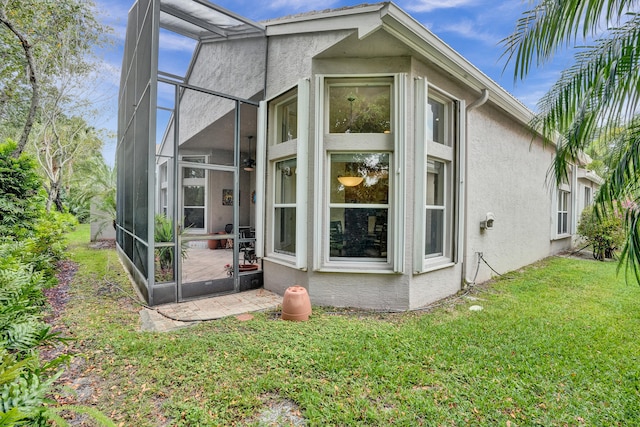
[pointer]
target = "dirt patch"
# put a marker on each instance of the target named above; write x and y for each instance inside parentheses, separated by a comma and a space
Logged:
(103, 244)
(278, 411)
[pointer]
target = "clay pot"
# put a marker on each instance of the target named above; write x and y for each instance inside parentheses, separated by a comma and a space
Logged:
(296, 304)
(213, 244)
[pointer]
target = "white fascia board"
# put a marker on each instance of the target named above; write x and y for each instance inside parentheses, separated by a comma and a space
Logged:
(590, 176)
(423, 41)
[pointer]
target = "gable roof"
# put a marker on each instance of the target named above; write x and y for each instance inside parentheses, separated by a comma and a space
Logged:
(368, 18)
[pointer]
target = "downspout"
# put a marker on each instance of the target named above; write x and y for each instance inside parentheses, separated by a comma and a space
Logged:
(484, 97)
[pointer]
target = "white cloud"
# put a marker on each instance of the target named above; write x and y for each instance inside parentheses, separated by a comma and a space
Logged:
(298, 5)
(429, 5)
(176, 42)
(470, 30)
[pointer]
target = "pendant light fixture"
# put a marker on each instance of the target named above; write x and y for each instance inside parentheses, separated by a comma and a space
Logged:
(249, 163)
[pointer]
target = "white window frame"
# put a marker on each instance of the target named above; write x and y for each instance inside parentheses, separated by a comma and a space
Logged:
(588, 196)
(185, 162)
(562, 209)
(392, 143)
(279, 205)
(276, 151)
(452, 155)
(570, 210)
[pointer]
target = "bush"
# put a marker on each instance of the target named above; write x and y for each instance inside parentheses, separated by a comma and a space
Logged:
(605, 234)
(22, 198)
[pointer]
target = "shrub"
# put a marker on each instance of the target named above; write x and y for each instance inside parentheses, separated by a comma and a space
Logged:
(605, 234)
(22, 196)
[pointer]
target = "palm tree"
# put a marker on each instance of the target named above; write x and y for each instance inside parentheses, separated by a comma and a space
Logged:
(594, 99)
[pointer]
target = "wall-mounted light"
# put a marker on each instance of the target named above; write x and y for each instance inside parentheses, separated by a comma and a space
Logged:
(249, 163)
(487, 224)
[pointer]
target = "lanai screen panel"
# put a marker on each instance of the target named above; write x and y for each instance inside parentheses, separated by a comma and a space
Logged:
(136, 138)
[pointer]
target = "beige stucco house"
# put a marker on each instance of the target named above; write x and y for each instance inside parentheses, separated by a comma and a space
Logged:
(348, 151)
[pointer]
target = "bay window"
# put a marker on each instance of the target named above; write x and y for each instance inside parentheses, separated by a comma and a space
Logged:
(437, 207)
(287, 140)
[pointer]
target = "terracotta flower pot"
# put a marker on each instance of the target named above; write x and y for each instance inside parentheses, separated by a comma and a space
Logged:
(296, 304)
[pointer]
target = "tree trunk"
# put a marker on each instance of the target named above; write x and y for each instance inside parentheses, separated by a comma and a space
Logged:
(33, 81)
(52, 194)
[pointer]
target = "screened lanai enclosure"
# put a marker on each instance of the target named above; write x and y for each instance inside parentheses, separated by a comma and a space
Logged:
(187, 157)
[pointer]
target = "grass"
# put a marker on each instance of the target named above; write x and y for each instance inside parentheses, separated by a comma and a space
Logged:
(555, 345)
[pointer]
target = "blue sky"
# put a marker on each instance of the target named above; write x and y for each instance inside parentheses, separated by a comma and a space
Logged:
(474, 28)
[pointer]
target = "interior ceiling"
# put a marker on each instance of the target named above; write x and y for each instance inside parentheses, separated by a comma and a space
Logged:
(219, 134)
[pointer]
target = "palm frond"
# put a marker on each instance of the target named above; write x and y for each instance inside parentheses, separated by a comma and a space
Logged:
(552, 24)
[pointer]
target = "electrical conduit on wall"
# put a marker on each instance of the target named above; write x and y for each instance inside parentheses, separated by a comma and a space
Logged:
(484, 97)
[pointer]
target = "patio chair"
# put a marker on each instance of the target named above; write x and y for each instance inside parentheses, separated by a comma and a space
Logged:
(248, 247)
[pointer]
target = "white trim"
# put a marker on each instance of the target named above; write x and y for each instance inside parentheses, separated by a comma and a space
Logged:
(420, 122)
(261, 158)
(397, 208)
(461, 158)
(302, 174)
(321, 198)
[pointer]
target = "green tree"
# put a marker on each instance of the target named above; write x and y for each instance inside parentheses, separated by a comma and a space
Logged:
(93, 181)
(596, 98)
(42, 43)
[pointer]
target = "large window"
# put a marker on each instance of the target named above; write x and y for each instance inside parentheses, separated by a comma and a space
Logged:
(359, 205)
(358, 139)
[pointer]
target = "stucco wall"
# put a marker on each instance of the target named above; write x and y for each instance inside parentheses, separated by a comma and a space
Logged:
(506, 175)
(235, 67)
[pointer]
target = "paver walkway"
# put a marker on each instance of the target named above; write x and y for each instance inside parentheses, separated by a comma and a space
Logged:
(169, 317)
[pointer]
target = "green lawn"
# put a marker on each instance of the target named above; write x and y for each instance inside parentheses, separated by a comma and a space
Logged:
(556, 345)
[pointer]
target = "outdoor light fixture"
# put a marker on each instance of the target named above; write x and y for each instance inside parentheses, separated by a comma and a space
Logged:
(350, 181)
(249, 163)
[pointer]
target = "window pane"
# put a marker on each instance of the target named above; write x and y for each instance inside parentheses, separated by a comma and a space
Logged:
(358, 232)
(435, 183)
(194, 195)
(284, 239)
(285, 181)
(436, 122)
(288, 116)
(360, 178)
(194, 217)
(193, 172)
(434, 232)
(360, 108)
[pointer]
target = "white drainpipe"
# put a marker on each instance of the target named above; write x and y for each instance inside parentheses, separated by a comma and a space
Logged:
(475, 104)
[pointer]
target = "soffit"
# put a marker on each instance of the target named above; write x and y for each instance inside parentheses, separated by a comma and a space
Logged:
(202, 20)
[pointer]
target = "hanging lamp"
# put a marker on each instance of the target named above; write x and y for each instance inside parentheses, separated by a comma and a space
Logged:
(249, 163)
